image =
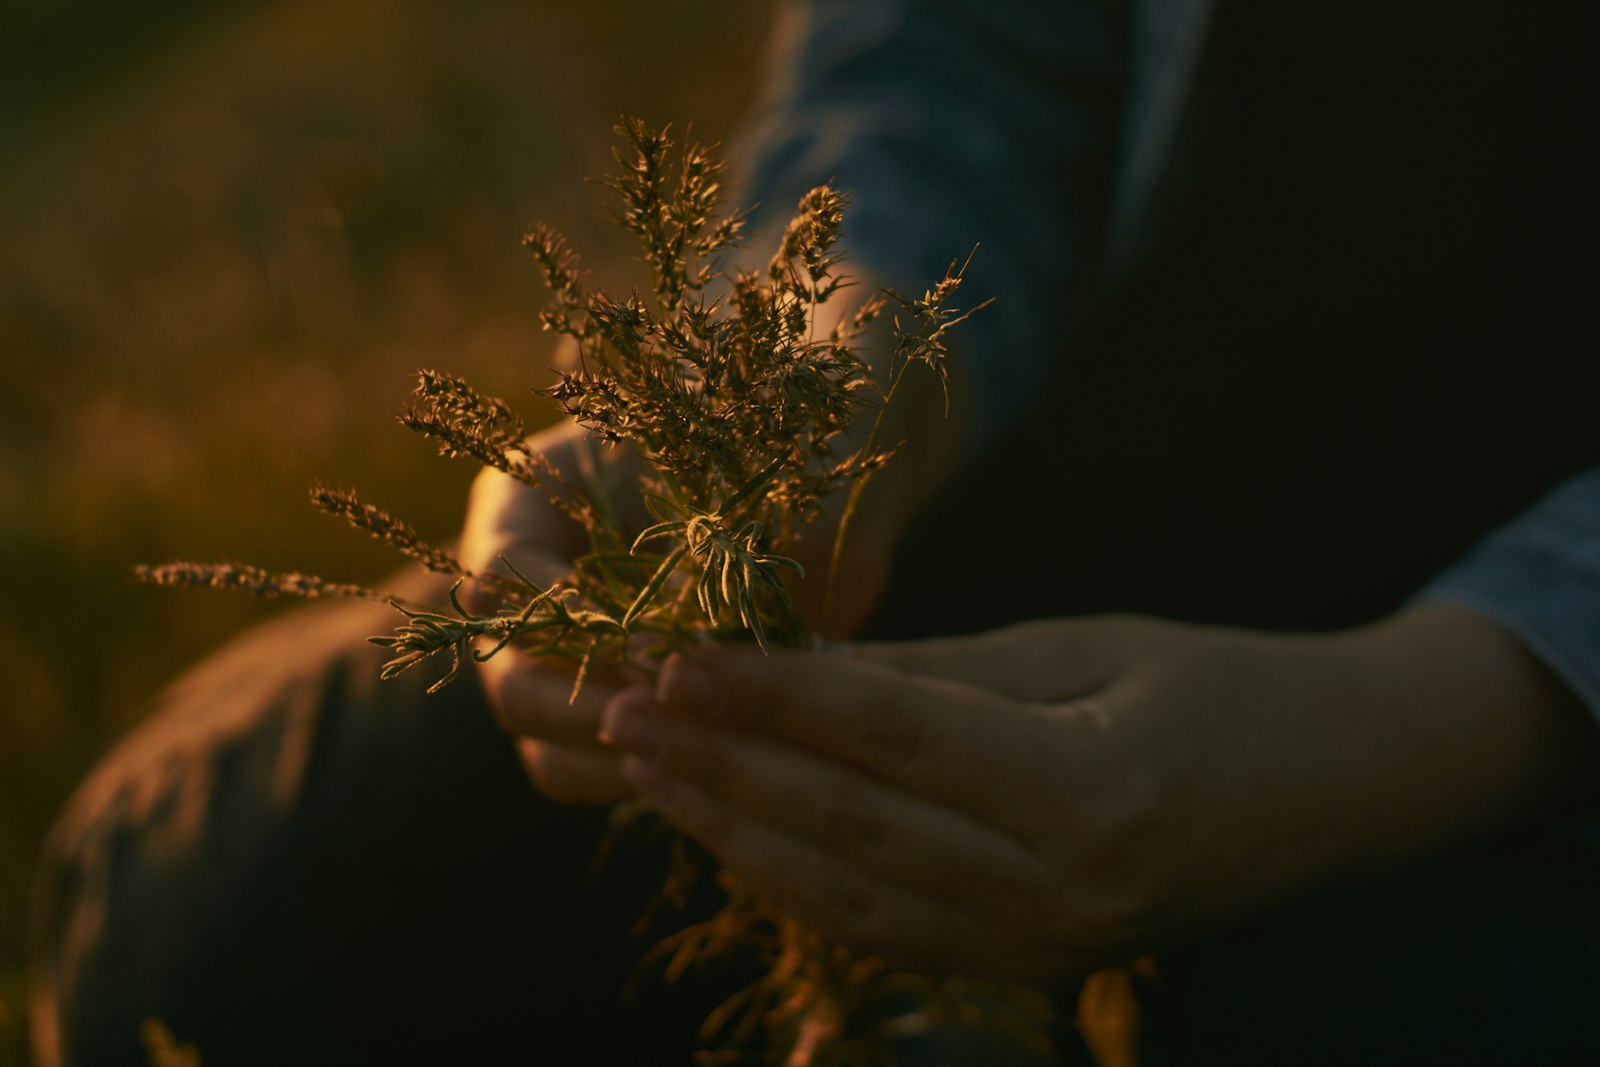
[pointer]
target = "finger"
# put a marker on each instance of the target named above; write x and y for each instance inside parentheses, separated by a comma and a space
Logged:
(1045, 660)
(533, 698)
(572, 775)
(938, 739)
(934, 850)
(840, 900)
(508, 520)
(512, 525)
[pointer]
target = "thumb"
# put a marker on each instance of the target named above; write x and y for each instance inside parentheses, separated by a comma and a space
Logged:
(511, 529)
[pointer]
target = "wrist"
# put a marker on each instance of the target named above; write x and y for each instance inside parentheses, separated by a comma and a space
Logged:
(1342, 757)
(1476, 734)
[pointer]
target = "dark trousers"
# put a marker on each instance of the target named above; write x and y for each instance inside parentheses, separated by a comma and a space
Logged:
(292, 862)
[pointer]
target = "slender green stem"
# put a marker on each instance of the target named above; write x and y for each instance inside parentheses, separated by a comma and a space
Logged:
(851, 503)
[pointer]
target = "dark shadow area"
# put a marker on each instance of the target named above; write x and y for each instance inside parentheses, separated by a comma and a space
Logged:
(232, 232)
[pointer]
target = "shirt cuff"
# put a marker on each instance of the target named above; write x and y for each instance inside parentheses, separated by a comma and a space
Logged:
(1539, 577)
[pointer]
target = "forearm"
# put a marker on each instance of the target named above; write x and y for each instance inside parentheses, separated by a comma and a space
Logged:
(1398, 741)
(940, 120)
(1305, 762)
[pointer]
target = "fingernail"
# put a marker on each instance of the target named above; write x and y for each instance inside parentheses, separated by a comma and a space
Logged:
(687, 686)
(626, 723)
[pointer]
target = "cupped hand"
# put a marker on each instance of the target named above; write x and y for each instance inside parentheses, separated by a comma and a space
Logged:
(511, 522)
(507, 519)
(1044, 800)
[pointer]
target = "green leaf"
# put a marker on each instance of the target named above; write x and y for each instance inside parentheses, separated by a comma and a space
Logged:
(661, 508)
(753, 483)
(747, 607)
(653, 586)
(660, 529)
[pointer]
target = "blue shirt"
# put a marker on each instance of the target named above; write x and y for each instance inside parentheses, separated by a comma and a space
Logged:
(879, 99)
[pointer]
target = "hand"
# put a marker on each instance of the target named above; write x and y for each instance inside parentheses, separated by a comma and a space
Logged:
(505, 518)
(1044, 800)
(530, 698)
(508, 520)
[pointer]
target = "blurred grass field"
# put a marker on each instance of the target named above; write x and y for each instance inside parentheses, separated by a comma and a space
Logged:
(230, 234)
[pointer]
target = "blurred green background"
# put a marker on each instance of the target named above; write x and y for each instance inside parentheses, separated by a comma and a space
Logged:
(230, 232)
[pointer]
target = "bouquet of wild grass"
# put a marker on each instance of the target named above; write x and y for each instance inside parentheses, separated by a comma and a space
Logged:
(750, 424)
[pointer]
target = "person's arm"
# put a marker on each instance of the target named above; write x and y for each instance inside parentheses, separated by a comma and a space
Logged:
(1121, 784)
(952, 124)
(949, 122)
(1041, 801)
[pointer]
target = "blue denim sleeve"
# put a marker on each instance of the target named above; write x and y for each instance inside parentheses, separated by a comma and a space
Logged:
(949, 123)
(1539, 577)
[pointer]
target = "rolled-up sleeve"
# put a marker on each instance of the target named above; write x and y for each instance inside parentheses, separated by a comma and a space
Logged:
(950, 124)
(1539, 577)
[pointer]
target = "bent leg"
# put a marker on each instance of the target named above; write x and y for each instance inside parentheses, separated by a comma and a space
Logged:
(293, 862)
